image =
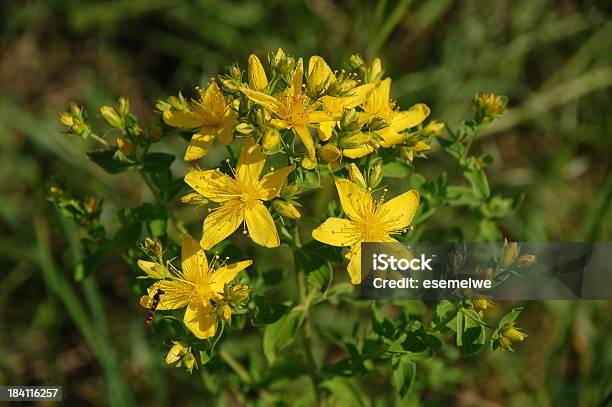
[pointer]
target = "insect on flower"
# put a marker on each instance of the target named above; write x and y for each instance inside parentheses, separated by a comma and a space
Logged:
(154, 304)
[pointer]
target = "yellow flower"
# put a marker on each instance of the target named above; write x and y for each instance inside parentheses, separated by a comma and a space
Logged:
(320, 79)
(379, 105)
(240, 198)
(369, 221)
(194, 287)
(509, 334)
(293, 109)
(211, 115)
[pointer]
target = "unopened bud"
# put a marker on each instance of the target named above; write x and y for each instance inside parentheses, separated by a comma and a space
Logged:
(125, 146)
(489, 107)
(286, 209)
(153, 246)
(356, 177)
(525, 260)
(432, 129)
(375, 173)
(355, 140)
(111, 116)
(123, 106)
(245, 128)
(257, 74)
(91, 205)
(271, 139)
(308, 163)
(509, 254)
(329, 152)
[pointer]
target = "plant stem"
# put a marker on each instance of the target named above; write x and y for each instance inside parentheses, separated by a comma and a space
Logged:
(311, 364)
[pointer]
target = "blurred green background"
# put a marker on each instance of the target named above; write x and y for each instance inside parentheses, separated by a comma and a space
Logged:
(552, 59)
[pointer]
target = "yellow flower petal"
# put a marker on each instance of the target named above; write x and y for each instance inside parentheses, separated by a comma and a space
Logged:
(264, 100)
(183, 120)
(354, 266)
(336, 232)
(199, 145)
(398, 212)
(221, 223)
(261, 225)
(319, 116)
(357, 96)
(212, 184)
(201, 320)
(272, 182)
(358, 152)
(304, 135)
(325, 130)
(176, 295)
(225, 133)
(226, 274)
(356, 202)
(257, 74)
(193, 259)
(213, 100)
(333, 105)
(410, 118)
(250, 163)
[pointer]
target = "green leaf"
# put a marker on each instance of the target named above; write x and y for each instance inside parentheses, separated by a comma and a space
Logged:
(314, 255)
(477, 178)
(344, 393)
(107, 161)
(397, 169)
(157, 162)
(267, 312)
(321, 278)
(404, 372)
(280, 334)
(470, 333)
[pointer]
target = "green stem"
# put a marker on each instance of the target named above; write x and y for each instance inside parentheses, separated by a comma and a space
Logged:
(177, 224)
(311, 363)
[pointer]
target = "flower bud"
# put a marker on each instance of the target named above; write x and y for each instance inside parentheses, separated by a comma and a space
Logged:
(489, 107)
(91, 206)
(194, 198)
(123, 106)
(180, 355)
(111, 116)
(290, 192)
(245, 128)
(286, 209)
(355, 140)
(153, 247)
(125, 146)
(508, 254)
(155, 134)
(432, 129)
(525, 260)
(356, 177)
(375, 72)
(482, 304)
(509, 334)
(375, 173)
(270, 140)
(329, 152)
(308, 163)
(256, 73)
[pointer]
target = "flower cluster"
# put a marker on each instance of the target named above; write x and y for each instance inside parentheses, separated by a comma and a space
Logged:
(334, 116)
